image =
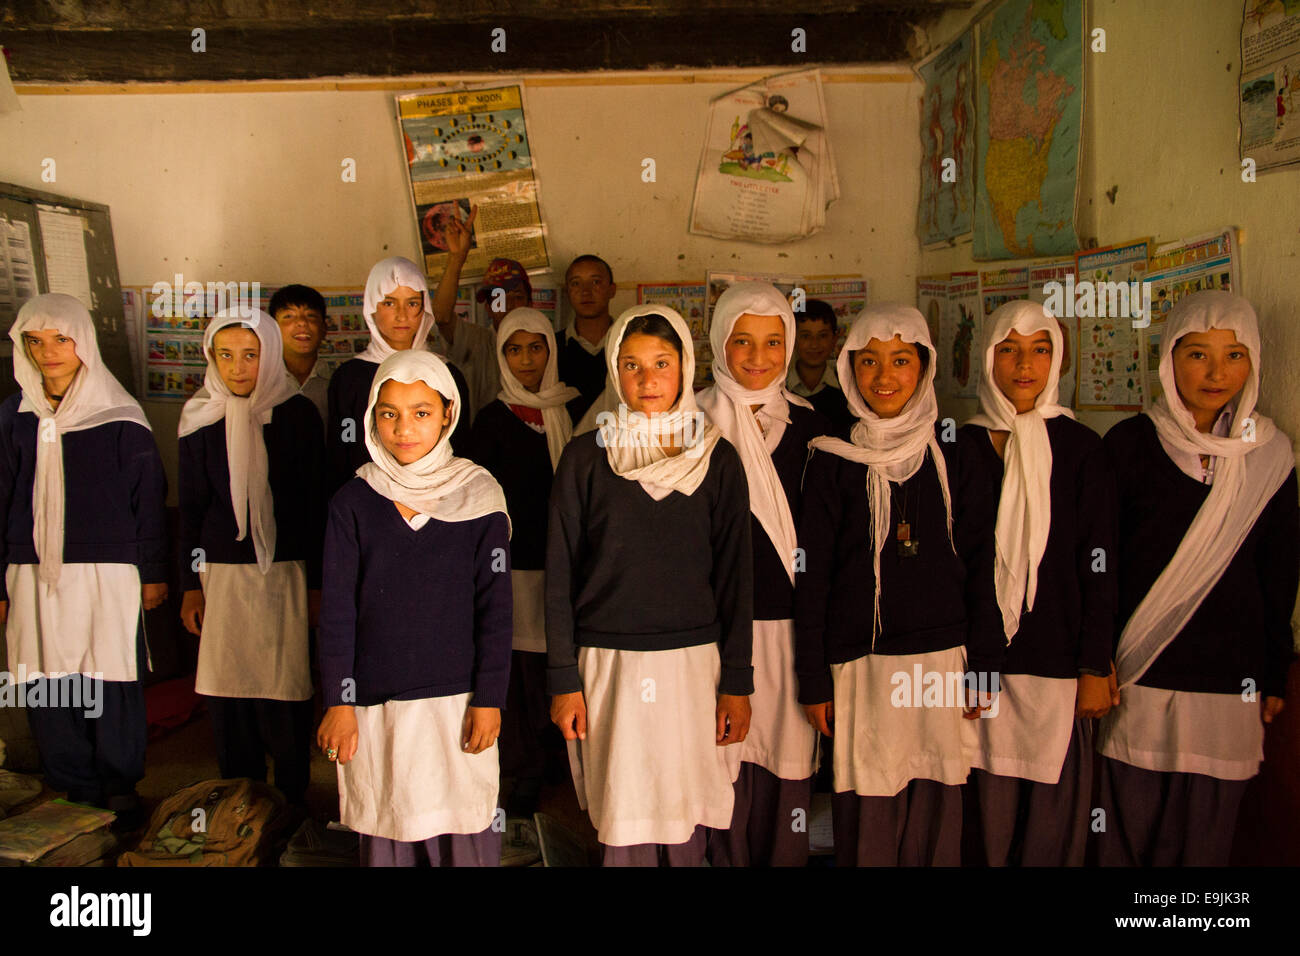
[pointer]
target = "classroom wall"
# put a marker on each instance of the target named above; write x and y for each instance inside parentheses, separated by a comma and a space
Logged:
(1160, 122)
(239, 185)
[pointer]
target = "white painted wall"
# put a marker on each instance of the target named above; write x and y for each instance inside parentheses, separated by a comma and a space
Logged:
(246, 185)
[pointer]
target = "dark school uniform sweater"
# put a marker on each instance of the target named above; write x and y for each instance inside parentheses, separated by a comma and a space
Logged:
(115, 493)
(773, 592)
(519, 460)
(933, 601)
(349, 394)
(627, 572)
(295, 471)
(583, 371)
(834, 407)
(1242, 629)
(1072, 625)
(409, 614)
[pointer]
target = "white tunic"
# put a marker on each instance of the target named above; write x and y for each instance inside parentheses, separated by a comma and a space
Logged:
(1178, 731)
(881, 747)
(1029, 734)
(254, 635)
(86, 625)
(780, 739)
(410, 780)
(651, 770)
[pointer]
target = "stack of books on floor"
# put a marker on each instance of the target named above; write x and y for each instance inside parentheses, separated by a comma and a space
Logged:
(57, 833)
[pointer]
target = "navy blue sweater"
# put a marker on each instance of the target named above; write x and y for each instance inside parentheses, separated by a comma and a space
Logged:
(627, 572)
(519, 460)
(115, 493)
(409, 614)
(935, 600)
(295, 459)
(349, 394)
(582, 370)
(1072, 625)
(1242, 630)
(773, 592)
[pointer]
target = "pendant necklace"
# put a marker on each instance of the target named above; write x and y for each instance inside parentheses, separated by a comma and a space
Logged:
(908, 546)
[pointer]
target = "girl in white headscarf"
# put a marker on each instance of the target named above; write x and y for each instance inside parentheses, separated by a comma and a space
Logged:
(399, 314)
(252, 509)
(752, 335)
(1055, 581)
(895, 608)
(415, 631)
(84, 550)
(1208, 568)
(649, 608)
(518, 438)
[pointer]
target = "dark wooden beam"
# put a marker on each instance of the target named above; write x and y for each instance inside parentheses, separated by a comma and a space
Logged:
(621, 36)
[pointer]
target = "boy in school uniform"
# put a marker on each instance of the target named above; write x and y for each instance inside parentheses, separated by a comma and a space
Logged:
(299, 310)
(812, 374)
(589, 283)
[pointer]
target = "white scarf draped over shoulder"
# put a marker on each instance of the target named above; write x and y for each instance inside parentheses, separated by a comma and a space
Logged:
(632, 440)
(893, 449)
(250, 488)
(439, 485)
(1254, 460)
(729, 406)
(1025, 505)
(551, 397)
(385, 276)
(94, 398)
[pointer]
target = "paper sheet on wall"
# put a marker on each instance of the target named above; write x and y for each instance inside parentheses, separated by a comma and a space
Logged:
(1270, 83)
(932, 301)
(963, 334)
(766, 171)
(17, 271)
(1110, 373)
(1175, 270)
(64, 240)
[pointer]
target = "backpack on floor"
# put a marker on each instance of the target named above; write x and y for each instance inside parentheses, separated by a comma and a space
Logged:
(213, 823)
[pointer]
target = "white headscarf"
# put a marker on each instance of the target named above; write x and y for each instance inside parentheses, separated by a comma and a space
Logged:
(439, 485)
(727, 403)
(552, 395)
(1248, 474)
(250, 488)
(1025, 506)
(385, 276)
(94, 398)
(629, 438)
(893, 449)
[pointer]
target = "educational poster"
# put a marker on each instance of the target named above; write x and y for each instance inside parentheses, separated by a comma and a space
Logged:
(17, 270)
(932, 302)
(1058, 271)
(766, 170)
(1028, 124)
(688, 299)
(1270, 83)
(964, 338)
(718, 282)
(173, 345)
(1110, 373)
(346, 333)
(1176, 269)
(63, 235)
(947, 143)
(470, 147)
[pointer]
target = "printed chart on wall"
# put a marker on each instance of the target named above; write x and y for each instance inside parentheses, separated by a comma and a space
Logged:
(1029, 115)
(1110, 367)
(17, 269)
(962, 335)
(1270, 83)
(947, 143)
(932, 301)
(471, 147)
(766, 171)
(1177, 269)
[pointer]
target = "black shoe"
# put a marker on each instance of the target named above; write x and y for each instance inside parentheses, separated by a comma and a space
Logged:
(130, 815)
